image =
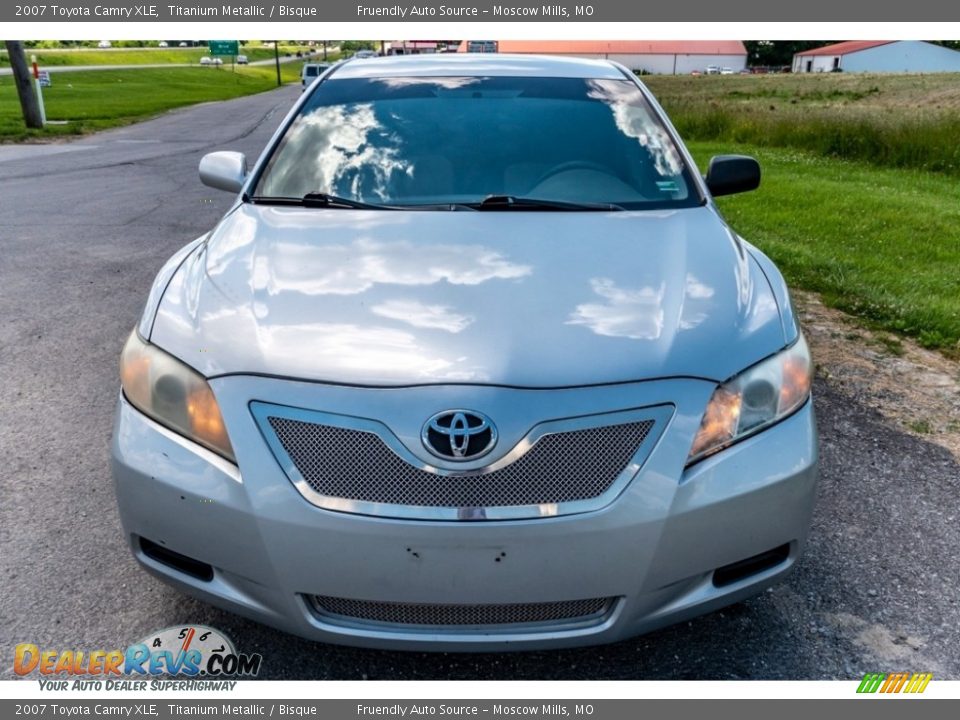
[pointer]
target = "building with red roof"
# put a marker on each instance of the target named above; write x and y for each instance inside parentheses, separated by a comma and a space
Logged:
(660, 57)
(878, 56)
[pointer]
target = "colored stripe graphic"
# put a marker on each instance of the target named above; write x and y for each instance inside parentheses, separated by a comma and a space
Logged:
(894, 682)
(870, 683)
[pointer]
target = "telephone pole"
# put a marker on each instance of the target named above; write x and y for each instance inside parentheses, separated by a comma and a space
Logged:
(21, 77)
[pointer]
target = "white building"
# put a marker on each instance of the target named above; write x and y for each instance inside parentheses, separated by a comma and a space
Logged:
(878, 56)
(660, 57)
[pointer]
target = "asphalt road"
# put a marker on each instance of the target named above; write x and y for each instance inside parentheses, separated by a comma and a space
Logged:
(84, 227)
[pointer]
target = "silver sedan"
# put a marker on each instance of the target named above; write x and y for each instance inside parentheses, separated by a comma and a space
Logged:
(472, 362)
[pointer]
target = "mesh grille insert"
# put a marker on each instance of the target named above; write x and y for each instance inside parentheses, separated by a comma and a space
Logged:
(560, 467)
(436, 614)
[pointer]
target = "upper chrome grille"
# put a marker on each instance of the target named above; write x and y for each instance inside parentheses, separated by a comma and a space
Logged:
(431, 614)
(560, 467)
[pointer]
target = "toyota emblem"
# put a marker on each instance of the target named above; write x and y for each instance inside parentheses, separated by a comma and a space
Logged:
(459, 435)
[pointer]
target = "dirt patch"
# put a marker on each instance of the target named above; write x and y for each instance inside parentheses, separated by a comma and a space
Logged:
(918, 389)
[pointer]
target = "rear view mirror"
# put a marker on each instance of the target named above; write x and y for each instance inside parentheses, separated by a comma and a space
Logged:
(729, 174)
(224, 170)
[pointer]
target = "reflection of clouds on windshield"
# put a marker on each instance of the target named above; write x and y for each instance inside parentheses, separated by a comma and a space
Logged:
(330, 150)
(629, 313)
(634, 121)
(433, 317)
(449, 83)
(353, 268)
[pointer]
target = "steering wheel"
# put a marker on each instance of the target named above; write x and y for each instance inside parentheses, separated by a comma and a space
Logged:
(572, 165)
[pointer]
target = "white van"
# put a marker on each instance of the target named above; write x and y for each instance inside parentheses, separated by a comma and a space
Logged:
(311, 71)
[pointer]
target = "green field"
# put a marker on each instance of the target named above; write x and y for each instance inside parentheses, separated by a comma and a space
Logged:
(140, 56)
(883, 244)
(909, 121)
(106, 98)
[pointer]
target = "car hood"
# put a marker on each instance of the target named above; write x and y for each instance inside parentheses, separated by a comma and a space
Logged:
(527, 299)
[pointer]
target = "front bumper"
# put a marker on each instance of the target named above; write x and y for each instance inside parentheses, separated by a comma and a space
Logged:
(653, 550)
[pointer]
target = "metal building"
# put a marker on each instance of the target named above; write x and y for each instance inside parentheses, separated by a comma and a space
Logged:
(903, 56)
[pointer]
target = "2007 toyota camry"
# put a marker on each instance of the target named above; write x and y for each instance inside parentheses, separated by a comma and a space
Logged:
(472, 362)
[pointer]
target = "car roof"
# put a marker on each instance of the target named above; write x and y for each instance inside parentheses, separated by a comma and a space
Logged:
(485, 64)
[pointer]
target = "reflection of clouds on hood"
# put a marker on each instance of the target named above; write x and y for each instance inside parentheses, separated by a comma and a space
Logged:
(695, 295)
(355, 349)
(433, 317)
(329, 150)
(629, 313)
(232, 240)
(353, 268)
(697, 290)
(634, 121)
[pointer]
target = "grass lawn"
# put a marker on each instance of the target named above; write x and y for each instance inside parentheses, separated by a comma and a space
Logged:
(910, 121)
(883, 244)
(139, 56)
(106, 98)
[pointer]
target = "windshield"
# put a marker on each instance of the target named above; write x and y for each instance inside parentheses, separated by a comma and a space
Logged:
(410, 141)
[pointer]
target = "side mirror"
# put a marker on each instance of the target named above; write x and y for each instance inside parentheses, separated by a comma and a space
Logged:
(224, 170)
(729, 174)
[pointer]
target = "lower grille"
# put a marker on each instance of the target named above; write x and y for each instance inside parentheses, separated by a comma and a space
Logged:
(426, 614)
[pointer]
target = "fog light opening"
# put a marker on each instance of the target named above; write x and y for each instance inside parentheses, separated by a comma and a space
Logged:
(186, 565)
(734, 572)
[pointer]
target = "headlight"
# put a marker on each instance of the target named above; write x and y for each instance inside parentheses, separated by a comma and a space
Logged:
(173, 394)
(754, 399)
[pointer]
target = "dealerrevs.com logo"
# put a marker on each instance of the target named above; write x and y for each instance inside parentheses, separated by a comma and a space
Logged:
(200, 657)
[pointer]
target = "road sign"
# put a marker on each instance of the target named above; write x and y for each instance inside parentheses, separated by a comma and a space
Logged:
(43, 77)
(224, 47)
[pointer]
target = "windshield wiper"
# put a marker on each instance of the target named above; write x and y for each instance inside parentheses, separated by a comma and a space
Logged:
(321, 200)
(512, 202)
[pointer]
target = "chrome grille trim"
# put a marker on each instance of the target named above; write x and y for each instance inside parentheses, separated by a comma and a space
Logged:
(441, 616)
(370, 444)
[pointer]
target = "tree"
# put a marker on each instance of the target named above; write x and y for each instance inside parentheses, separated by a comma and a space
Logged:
(21, 77)
(778, 52)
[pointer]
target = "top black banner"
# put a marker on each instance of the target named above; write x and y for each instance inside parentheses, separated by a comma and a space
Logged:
(482, 11)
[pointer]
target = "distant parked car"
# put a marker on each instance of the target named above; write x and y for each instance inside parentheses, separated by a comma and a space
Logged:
(162, 43)
(104, 44)
(183, 44)
(713, 69)
(211, 61)
(366, 54)
(242, 60)
(746, 71)
(696, 73)
(726, 71)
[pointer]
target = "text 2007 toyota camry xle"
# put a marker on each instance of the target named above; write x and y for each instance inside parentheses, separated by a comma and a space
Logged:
(473, 362)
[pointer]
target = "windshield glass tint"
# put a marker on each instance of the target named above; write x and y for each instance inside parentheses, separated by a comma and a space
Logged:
(412, 140)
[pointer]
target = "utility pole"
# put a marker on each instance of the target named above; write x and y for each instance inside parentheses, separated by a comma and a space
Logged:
(324, 50)
(276, 56)
(21, 76)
